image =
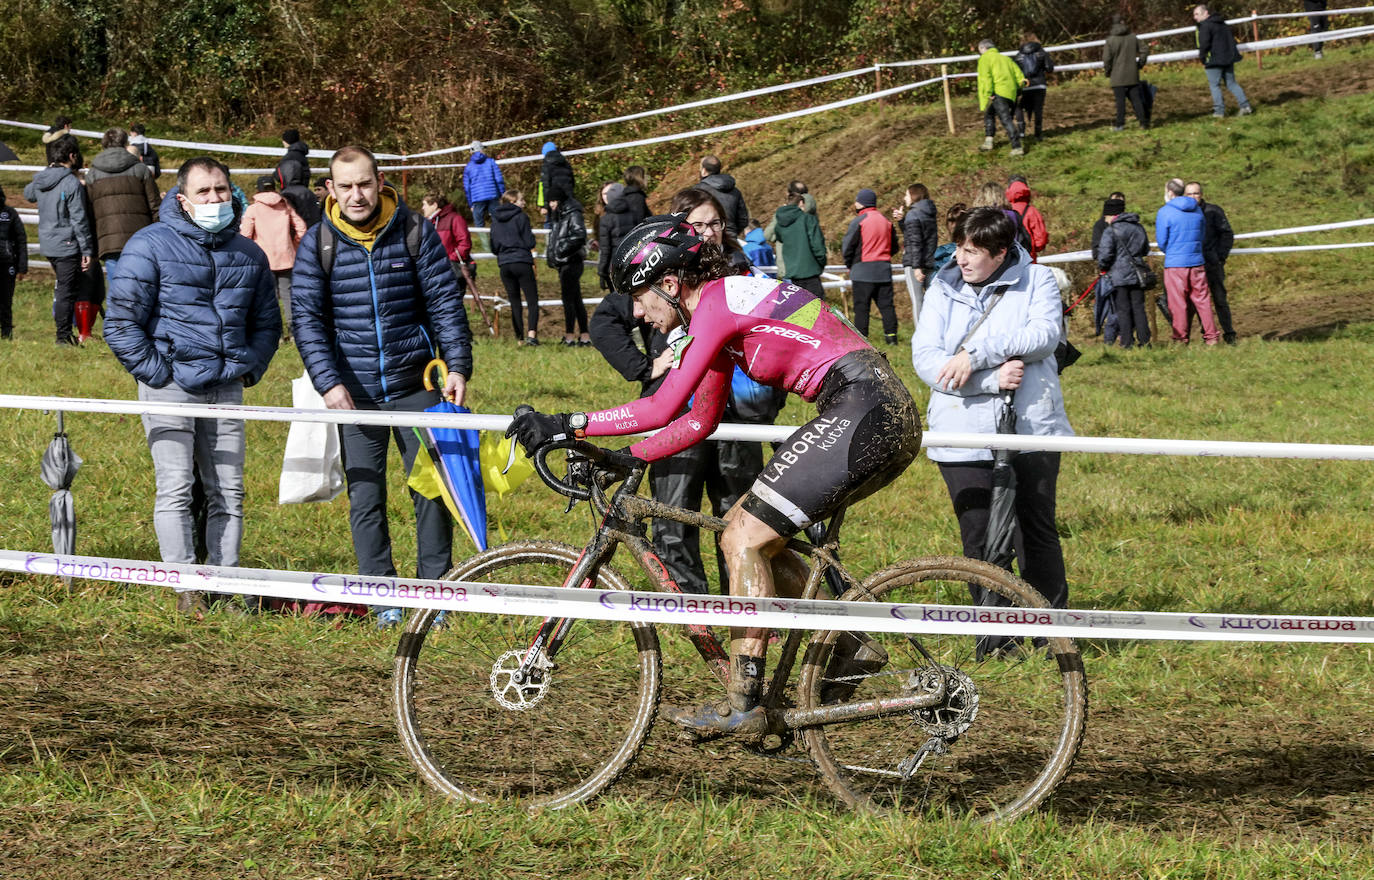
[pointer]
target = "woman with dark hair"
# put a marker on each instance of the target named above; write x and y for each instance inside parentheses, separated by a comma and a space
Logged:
(512, 241)
(707, 218)
(865, 434)
(636, 185)
(565, 251)
(988, 331)
(617, 219)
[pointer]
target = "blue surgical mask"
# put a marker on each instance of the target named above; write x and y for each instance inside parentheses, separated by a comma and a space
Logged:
(213, 217)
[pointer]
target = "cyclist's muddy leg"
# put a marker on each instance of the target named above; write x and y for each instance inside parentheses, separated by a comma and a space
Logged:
(752, 550)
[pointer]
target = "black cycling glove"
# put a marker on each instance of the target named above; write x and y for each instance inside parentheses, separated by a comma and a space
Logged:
(533, 429)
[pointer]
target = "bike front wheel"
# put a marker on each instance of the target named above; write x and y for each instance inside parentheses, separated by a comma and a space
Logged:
(1007, 728)
(477, 731)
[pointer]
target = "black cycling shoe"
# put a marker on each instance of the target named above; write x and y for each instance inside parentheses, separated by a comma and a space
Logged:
(717, 719)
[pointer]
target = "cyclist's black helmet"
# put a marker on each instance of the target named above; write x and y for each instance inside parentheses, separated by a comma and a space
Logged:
(656, 247)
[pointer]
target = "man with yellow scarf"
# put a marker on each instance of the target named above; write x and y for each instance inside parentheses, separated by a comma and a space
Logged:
(373, 300)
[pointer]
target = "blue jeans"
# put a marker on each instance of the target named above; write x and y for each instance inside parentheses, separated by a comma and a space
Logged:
(481, 209)
(180, 446)
(1216, 77)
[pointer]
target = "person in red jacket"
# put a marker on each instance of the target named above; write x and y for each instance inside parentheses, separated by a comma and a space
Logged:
(453, 232)
(868, 246)
(1019, 197)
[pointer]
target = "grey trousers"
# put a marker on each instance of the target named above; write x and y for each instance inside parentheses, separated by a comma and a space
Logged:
(179, 446)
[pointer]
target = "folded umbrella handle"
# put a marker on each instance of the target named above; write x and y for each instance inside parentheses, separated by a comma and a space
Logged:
(443, 375)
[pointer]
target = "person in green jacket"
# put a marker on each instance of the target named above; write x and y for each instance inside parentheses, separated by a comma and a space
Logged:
(801, 247)
(999, 82)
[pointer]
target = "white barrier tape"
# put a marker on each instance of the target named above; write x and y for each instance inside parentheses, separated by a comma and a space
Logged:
(1182, 55)
(1328, 36)
(677, 608)
(245, 149)
(1294, 248)
(1320, 227)
(660, 111)
(548, 303)
(849, 74)
(951, 59)
(761, 433)
(733, 126)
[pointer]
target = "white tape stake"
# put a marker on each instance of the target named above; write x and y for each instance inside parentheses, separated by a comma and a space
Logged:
(677, 608)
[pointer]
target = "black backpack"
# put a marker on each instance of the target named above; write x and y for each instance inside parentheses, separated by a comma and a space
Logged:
(1035, 64)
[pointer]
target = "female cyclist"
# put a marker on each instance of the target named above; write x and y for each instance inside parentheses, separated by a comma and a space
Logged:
(865, 434)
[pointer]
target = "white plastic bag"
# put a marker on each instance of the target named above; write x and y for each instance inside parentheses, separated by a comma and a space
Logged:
(312, 469)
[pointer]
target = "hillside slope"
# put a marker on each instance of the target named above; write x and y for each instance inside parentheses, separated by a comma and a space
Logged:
(1303, 158)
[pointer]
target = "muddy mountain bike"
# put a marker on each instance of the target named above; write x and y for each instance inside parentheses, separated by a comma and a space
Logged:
(547, 713)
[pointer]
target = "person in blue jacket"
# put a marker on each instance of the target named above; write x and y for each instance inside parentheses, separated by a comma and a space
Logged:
(483, 183)
(366, 322)
(192, 314)
(1180, 229)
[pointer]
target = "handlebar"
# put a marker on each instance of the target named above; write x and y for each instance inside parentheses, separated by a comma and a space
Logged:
(589, 470)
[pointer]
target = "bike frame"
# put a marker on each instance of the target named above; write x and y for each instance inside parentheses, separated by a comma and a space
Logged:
(623, 518)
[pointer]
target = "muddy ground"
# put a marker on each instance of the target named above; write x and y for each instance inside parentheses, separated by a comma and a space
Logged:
(204, 703)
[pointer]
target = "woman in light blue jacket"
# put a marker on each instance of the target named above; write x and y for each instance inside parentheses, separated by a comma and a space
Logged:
(1012, 349)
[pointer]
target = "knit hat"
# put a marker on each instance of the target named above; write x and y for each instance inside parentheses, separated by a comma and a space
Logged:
(291, 135)
(614, 191)
(1112, 207)
(867, 198)
(548, 147)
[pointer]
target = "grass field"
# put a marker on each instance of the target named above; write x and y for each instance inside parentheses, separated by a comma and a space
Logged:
(136, 743)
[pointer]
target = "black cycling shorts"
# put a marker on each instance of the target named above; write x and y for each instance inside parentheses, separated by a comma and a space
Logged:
(864, 435)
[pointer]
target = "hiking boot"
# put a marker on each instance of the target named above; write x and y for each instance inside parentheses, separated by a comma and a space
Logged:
(192, 604)
(717, 719)
(987, 144)
(854, 658)
(1018, 151)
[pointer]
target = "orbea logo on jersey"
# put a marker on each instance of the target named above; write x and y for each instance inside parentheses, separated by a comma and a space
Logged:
(788, 333)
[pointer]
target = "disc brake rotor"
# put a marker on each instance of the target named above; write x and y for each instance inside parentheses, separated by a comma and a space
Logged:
(515, 694)
(955, 715)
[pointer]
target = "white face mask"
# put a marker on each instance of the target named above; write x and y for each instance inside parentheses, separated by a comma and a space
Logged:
(212, 217)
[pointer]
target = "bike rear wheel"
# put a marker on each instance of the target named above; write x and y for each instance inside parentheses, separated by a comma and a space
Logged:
(476, 735)
(1009, 728)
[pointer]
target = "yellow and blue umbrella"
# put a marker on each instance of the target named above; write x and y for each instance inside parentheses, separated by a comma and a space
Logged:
(448, 467)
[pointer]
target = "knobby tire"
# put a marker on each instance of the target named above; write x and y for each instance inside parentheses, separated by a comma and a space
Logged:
(1032, 706)
(562, 747)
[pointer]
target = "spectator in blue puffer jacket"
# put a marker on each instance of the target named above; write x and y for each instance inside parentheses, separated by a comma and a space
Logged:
(482, 184)
(1179, 229)
(366, 327)
(192, 315)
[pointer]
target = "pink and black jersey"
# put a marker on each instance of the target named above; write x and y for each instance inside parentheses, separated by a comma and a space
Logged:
(777, 333)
